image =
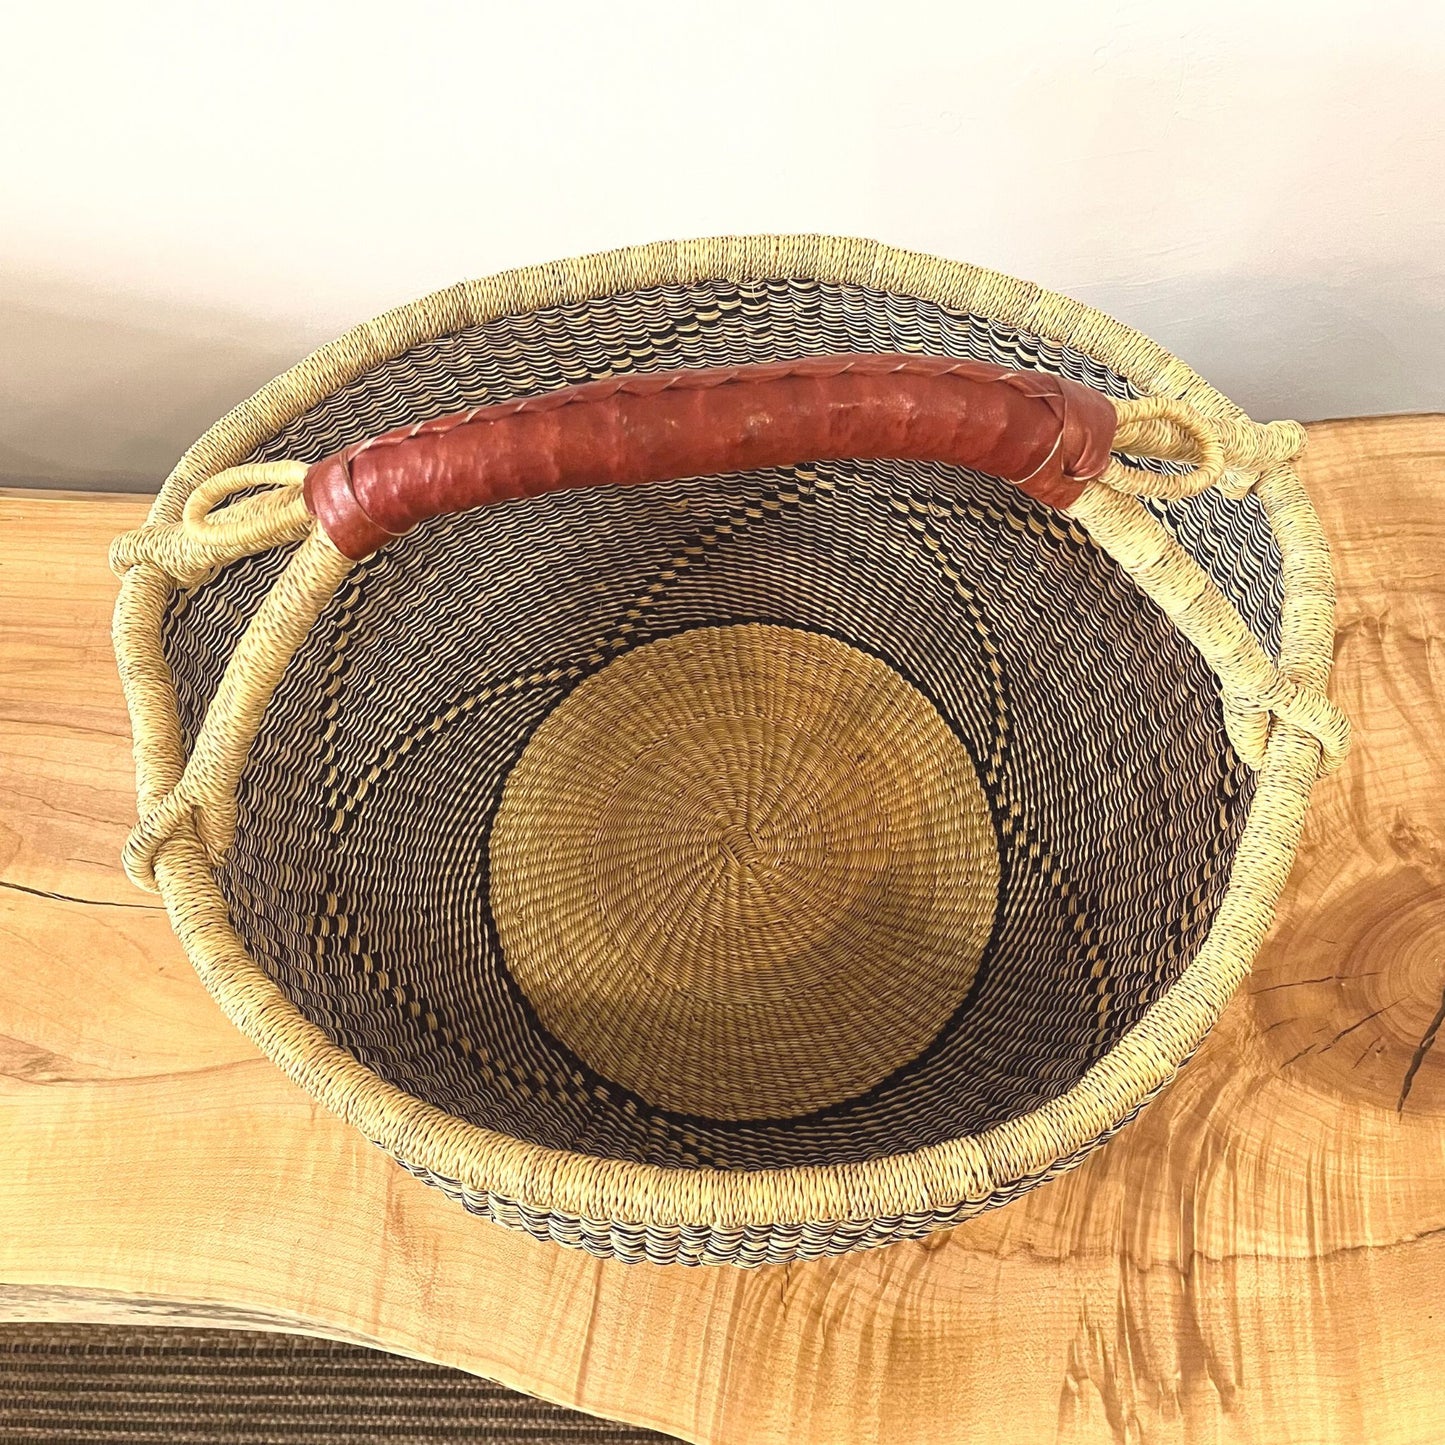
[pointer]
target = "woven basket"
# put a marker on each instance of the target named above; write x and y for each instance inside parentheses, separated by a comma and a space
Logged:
(836, 834)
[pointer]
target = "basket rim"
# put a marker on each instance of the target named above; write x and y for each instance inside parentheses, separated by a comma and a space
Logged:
(939, 1177)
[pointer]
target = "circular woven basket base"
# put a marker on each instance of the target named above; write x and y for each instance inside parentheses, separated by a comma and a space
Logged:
(745, 872)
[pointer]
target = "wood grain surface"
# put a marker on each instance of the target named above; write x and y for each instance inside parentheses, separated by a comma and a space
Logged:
(1260, 1257)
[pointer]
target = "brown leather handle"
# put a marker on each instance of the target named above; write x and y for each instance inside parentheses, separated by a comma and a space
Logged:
(1048, 434)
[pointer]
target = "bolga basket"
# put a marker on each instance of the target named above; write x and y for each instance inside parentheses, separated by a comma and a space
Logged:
(835, 835)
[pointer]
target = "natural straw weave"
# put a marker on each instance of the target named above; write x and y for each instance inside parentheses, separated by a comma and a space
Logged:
(740, 869)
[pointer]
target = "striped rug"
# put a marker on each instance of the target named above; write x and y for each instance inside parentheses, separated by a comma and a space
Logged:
(97, 1384)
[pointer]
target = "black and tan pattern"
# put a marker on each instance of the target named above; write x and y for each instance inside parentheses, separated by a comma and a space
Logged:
(149, 1385)
(759, 822)
(453, 647)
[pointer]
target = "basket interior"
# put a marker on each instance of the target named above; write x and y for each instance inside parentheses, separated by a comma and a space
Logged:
(771, 819)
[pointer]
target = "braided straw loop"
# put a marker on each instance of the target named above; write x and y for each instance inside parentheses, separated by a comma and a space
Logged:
(1254, 689)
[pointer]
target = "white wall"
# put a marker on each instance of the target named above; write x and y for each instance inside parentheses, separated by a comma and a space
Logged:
(193, 195)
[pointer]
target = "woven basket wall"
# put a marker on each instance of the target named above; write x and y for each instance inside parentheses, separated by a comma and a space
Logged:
(749, 867)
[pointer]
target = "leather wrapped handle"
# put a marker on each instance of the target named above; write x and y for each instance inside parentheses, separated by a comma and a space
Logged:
(1049, 435)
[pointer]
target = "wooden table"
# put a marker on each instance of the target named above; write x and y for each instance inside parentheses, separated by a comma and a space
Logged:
(1260, 1257)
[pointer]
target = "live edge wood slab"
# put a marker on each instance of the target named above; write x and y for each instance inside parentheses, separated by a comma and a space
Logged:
(1260, 1257)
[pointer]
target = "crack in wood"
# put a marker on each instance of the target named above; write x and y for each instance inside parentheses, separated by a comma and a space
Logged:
(1375, 1044)
(1344, 1033)
(1305, 982)
(86, 902)
(1427, 1042)
(1359, 1024)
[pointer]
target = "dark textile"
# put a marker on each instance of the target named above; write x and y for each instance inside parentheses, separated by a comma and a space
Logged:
(107, 1383)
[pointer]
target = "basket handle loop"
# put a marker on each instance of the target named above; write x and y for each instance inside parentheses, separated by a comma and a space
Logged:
(1228, 454)
(265, 510)
(1255, 690)
(1235, 455)
(1055, 438)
